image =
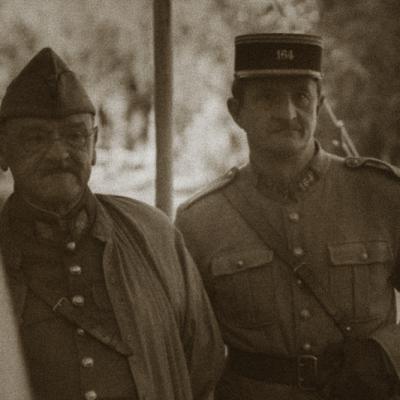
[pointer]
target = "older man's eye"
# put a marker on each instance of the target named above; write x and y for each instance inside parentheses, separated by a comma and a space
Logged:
(76, 137)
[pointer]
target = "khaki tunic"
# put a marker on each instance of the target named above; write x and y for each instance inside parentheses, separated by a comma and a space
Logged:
(344, 220)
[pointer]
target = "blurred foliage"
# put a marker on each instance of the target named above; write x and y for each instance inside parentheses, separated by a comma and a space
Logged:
(363, 71)
(110, 45)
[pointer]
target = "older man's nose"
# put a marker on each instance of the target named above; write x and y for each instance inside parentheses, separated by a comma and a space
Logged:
(57, 150)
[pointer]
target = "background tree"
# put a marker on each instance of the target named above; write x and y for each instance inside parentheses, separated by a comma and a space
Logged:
(109, 44)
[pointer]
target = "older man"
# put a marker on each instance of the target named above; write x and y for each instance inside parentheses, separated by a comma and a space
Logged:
(299, 249)
(110, 303)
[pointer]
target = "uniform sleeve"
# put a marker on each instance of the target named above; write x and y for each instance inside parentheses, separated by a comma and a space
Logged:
(388, 338)
(202, 340)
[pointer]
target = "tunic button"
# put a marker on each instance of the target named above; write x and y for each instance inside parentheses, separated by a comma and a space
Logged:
(78, 300)
(299, 282)
(364, 256)
(348, 328)
(294, 217)
(306, 347)
(87, 362)
(90, 395)
(71, 246)
(80, 332)
(298, 251)
(240, 264)
(75, 270)
(305, 314)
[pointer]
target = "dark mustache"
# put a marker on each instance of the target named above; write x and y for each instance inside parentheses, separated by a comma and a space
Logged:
(290, 126)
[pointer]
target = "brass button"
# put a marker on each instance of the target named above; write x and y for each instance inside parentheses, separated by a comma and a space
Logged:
(71, 246)
(240, 264)
(87, 362)
(298, 251)
(78, 300)
(364, 256)
(80, 332)
(294, 217)
(305, 314)
(299, 282)
(348, 328)
(306, 346)
(90, 395)
(75, 270)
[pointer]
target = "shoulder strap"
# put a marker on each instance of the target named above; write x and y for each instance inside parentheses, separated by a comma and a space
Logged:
(374, 163)
(64, 307)
(254, 218)
(214, 186)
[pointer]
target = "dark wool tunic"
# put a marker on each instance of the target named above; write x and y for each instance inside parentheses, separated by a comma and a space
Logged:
(137, 278)
(64, 361)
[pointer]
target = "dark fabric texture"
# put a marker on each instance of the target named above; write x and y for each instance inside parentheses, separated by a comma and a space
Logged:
(45, 88)
(156, 294)
(364, 373)
(53, 348)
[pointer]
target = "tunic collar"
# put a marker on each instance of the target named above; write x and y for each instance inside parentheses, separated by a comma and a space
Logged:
(300, 185)
(32, 221)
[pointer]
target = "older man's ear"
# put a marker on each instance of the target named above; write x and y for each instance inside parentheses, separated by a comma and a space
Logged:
(3, 161)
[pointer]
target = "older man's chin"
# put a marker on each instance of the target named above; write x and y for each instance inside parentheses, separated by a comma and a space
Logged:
(59, 196)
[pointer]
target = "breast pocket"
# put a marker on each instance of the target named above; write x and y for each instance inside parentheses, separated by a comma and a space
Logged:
(243, 283)
(359, 277)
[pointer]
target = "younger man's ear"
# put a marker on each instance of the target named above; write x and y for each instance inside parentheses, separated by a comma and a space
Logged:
(320, 102)
(94, 154)
(233, 108)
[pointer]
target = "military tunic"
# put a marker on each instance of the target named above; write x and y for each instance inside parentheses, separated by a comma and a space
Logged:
(343, 218)
(147, 281)
(82, 367)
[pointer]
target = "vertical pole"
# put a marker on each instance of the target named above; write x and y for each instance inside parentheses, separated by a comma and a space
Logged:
(163, 103)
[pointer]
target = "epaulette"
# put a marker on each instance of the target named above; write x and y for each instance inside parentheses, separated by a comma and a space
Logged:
(215, 185)
(356, 162)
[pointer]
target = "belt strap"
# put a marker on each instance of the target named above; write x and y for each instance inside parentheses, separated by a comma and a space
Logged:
(63, 307)
(256, 220)
(302, 371)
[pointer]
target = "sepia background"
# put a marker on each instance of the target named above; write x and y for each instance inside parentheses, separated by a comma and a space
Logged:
(109, 43)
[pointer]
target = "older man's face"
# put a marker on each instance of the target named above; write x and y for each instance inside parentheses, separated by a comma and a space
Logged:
(50, 159)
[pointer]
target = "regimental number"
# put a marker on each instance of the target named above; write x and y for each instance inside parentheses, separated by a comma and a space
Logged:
(284, 54)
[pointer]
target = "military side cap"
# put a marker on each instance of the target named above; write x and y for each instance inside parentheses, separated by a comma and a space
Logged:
(45, 88)
(272, 54)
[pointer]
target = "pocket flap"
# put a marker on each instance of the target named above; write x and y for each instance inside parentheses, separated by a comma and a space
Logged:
(356, 253)
(238, 261)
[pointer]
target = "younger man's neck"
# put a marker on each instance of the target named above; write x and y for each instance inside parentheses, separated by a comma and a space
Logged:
(280, 168)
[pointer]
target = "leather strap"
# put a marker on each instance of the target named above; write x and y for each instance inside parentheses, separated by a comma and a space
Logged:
(66, 309)
(256, 220)
(305, 371)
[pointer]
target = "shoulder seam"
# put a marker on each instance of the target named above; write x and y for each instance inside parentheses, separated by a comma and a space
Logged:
(214, 186)
(370, 162)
